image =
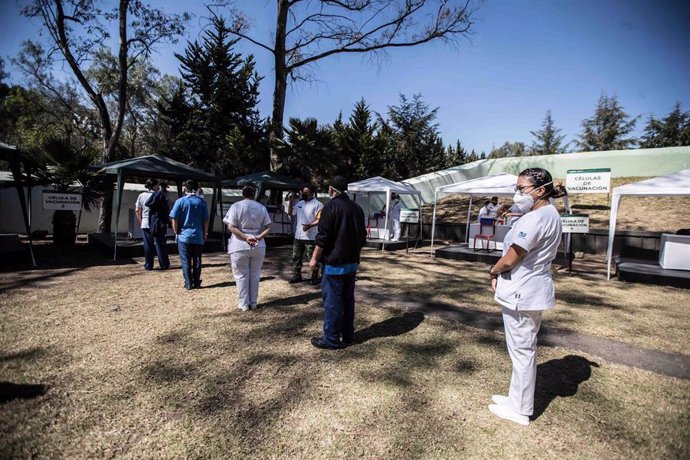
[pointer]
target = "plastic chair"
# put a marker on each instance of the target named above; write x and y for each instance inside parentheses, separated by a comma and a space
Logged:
(487, 230)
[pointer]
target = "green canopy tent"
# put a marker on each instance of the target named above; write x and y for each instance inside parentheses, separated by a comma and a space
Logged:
(264, 180)
(15, 159)
(159, 167)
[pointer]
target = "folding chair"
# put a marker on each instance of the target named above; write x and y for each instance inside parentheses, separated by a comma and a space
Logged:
(487, 230)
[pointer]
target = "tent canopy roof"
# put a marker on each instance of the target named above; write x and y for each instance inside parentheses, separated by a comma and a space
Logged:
(156, 166)
(264, 180)
(677, 183)
(498, 184)
(382, 185)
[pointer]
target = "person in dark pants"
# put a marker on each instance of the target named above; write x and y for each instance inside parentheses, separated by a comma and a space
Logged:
(142, 211)
(190, 223)
(305, 213)
(159, 210)
(339, 241)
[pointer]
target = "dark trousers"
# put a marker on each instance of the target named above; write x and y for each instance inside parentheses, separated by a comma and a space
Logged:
(338, 308)
(190, 259)
(299, 247)
(154, 243)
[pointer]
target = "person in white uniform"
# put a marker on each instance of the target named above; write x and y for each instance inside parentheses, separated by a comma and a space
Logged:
(394, 216)
(249, 223)
(524, 288)
(305, 213)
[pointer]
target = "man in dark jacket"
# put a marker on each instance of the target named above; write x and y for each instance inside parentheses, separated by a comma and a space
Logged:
(339, 241)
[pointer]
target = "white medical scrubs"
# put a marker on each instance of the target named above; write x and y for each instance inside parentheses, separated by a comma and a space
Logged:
(396, 207)
(524, 293)
(250, 217)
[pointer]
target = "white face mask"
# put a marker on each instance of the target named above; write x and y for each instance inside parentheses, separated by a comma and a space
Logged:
(525, 202)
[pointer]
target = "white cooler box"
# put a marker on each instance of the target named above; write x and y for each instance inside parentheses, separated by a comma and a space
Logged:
(674, 252)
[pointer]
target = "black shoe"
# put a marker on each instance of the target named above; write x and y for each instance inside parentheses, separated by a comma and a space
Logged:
(348, 341)
(198, 285)
(188, 287)
(318, 343)
(314, 280)
(295, 279)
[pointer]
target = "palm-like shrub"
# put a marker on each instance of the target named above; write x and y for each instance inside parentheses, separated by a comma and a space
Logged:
(64, 166)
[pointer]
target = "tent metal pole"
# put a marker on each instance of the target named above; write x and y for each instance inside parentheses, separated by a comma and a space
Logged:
(433, 222)
(615, 203)
(118, 205)
(220, 203)
(467, 224)
(212, 211)
(421, 227)
(385, 228)
(17, 175)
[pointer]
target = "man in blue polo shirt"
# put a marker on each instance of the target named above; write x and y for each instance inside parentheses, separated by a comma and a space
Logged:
(339, 241)
(189, 218)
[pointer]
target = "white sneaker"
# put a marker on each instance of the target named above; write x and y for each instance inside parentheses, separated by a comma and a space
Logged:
(500, 399)
(507, 413)
(243, 308)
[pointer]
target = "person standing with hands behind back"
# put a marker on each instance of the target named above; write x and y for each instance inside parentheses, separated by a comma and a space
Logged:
(189, 217)
(524, 288)
(249, 223)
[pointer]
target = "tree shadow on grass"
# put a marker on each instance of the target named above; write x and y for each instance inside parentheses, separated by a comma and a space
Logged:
(10, 391)
(391, 327)
(560, 377)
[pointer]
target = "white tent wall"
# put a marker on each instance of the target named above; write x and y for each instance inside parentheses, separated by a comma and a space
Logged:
(42, 219)
(676, 184)
(623, 163)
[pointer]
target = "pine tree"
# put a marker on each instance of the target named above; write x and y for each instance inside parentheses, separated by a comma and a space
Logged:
(223, 131)
(415, 146)
(548, 141)
(671, 131)
(307, 152)
(608, 128)
(360, 145)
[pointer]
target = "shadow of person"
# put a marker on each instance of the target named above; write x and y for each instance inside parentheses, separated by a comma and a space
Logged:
(10, 391)
(391, 327)
(560, 377)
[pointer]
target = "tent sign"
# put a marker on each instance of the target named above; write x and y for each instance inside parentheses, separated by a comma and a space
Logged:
(409, 216)
(588, 180)
(63, 201)
(575, 223)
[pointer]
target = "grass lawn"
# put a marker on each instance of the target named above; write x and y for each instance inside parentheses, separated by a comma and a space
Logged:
(137, 367)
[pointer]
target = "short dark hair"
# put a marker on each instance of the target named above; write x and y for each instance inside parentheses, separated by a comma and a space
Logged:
(150, 183)
(191, 185)
(339, 183)
(494, 198)
(248, 191)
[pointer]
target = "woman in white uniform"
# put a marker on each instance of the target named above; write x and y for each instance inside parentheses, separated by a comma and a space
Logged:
(523, 287)
(249, 223)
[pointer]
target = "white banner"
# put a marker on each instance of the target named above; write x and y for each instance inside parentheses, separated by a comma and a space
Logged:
(575, 223)
(61, 200)
(409, 216)
(588, 180)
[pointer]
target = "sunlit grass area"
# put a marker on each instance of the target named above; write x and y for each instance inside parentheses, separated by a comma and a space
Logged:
(133, 366)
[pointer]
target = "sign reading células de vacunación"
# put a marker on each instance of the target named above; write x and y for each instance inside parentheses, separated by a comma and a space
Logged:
(61, 200)
(588, 180)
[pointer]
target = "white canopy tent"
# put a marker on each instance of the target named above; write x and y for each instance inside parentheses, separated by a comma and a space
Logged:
(494, 185)
(380, 184)
(676, 184)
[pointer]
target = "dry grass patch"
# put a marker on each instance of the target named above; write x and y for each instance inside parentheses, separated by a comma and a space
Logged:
(162, 372)
(643, 315)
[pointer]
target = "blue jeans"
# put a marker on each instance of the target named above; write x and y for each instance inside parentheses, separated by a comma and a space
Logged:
(338, 308)
(190, 258)
(152, 241)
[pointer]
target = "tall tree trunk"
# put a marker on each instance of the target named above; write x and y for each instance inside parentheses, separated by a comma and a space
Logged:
(281, 73)
(111, 139)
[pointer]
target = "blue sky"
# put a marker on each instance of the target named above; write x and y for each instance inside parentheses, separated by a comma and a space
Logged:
(524, 57)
